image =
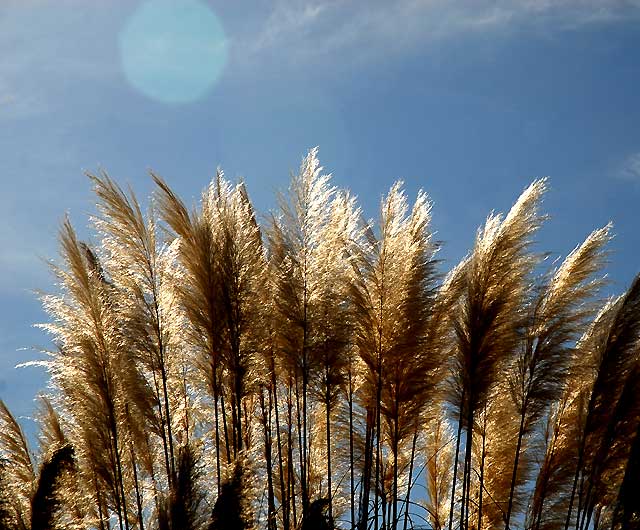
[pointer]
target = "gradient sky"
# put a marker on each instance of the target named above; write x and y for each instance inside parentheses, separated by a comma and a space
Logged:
(470, 100)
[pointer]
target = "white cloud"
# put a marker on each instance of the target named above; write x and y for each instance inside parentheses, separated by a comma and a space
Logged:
(286, 19)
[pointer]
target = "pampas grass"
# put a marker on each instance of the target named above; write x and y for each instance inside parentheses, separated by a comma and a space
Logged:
(319, 370)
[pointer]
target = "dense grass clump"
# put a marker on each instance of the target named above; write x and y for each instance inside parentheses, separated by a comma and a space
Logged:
(319, 371)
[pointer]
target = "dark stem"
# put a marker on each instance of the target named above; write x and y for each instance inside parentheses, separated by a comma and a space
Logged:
(266, 421)
(394, 500)
(482, 459)
(285, 500)
(514, 474)
(330, 490)
(217, 428)
(224, 427)
(455, 464)
(464, 512)
(352, 491)
(137, 487)
(411, 462)
(575, 485)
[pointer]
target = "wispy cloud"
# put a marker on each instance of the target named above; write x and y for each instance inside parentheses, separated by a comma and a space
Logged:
(52, 42)
(287, 19)
(49, 44)
(630, 168)
(310, 29)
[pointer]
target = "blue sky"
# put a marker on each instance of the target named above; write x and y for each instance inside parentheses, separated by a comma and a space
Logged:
(470, 100)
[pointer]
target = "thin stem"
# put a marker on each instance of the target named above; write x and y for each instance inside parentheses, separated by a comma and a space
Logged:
(409, 484)
(455, 464)
(514, 474)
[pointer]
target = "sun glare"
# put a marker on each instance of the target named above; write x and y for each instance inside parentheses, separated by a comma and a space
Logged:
(173, 52)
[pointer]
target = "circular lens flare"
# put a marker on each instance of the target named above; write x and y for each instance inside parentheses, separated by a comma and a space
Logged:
(173, 51)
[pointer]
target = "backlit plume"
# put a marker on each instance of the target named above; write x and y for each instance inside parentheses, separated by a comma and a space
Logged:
(212, 368)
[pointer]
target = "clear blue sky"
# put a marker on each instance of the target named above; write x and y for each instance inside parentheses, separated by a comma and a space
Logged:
(469, 100)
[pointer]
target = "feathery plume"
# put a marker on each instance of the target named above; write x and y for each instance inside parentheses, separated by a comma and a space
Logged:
(439, 463)
(232, 511)
(50, 434)
(558, 314)
(17, 475)
(611, 404)
(490, 313)
(182, 510)
(299, 264)
(46, 502)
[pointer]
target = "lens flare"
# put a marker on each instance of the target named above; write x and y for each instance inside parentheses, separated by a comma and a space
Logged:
(173, 51)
